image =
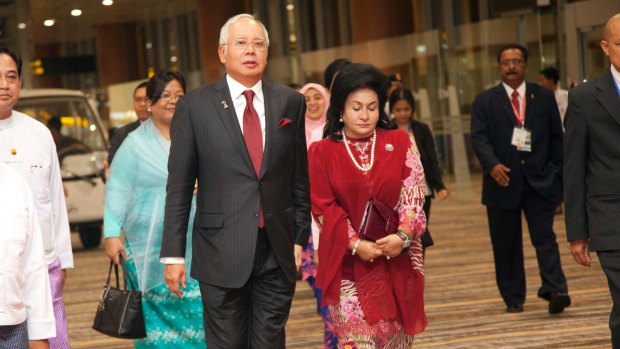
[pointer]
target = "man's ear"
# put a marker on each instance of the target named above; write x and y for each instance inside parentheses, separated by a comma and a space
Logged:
(605, 47)
(221, 52)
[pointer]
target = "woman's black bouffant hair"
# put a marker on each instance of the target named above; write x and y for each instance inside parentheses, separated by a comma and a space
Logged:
(354, 77)
(158, 82)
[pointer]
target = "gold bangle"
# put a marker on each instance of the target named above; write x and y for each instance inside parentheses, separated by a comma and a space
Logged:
(357, 243)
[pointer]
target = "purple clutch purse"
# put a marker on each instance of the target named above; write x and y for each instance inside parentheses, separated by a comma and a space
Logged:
(378, 221)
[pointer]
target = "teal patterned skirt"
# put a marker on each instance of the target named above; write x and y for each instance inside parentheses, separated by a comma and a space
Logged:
(171, 322)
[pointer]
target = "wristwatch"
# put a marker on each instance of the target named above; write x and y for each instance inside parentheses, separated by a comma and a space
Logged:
(405, 238)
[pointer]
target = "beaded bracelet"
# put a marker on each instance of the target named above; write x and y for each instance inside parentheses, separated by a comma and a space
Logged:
(357, 243)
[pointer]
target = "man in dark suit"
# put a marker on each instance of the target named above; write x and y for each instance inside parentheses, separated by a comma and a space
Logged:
(141, 108)
(243, 139)
(517, 135)
(591, 190)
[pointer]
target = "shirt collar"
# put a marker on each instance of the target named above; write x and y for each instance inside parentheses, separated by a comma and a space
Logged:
(520, 89)
(236, 88)
(8, 122)
(615, 74)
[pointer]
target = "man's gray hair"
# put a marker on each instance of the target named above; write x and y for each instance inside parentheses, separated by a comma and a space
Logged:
(233, 20)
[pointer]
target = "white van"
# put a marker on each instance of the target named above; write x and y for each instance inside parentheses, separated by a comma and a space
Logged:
(82, 144)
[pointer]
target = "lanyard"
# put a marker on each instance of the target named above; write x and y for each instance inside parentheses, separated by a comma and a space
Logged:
(617, 86)
(520, 117)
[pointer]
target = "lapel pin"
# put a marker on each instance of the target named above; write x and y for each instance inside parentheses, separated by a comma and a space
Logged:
(224, 104)
(389, 147)
(13, 151)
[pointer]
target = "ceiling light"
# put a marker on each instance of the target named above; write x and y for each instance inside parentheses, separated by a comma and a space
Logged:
(76, 12)
(107, 2)
(21, 25)
(49, 22)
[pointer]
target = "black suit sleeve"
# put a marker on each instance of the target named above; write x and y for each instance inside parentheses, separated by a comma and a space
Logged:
(116, 141)
(576, 142)
(480, 120)
(431, 170)
(182, 171)
(557, 137)
(301, 182)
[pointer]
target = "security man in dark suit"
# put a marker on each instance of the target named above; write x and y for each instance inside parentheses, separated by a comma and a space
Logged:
(142, 112)
(592, 188)
(517, 135)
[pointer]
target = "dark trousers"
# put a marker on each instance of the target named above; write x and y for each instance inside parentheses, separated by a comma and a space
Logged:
(506, 238)
(610, 261)
(253, 316)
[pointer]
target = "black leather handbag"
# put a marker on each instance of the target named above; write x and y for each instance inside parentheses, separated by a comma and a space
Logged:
(378, 221)
(119, 313)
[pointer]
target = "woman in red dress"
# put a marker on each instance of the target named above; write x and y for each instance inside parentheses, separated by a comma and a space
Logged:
(374, 290)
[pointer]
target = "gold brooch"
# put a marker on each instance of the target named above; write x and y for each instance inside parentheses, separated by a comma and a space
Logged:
(389, 147)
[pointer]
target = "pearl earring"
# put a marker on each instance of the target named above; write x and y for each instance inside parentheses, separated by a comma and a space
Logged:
(340, 119)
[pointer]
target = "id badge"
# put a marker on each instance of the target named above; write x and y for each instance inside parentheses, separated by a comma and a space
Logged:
(522, 139)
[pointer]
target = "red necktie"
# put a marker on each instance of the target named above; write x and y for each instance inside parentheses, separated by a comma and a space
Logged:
(253, 135)
(517, 107)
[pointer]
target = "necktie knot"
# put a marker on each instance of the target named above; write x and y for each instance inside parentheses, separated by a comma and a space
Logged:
(515, 94)
(249, 96)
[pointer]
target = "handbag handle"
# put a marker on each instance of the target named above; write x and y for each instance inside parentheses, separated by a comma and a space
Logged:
(126, 279)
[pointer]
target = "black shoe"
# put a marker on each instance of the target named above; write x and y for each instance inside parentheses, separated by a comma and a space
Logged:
(558, 301)
(515, 308)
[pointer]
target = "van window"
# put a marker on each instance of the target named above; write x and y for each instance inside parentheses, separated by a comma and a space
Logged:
(76, 117)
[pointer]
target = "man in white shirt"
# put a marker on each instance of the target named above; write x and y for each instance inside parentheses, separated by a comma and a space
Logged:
(27, 146)
(550, 78)
(26, 311)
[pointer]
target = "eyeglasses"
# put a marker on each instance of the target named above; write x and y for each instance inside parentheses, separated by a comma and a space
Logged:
(167, 97)
(507, 62)
(140, 99)
(242, 44)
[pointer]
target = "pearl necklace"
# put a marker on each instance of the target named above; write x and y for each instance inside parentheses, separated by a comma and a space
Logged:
(362, 167)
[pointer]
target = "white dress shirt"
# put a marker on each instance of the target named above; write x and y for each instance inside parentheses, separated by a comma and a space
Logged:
(236, 93)
(24, 281)
(28, 147)
(561, 98)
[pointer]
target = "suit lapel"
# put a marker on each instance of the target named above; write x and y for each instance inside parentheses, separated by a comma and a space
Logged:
(530, 104)
(502, 97)
(272, 101)
(608, 97)
(225, 108)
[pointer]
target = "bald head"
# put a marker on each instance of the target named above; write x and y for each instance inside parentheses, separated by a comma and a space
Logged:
(612, 27)
(611, 42)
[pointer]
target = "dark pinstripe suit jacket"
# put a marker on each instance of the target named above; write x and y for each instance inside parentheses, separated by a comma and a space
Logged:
(592, 157)
(492, 125)
(207, 144)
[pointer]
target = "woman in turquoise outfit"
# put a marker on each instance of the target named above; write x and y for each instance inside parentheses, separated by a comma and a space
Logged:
(134, 204)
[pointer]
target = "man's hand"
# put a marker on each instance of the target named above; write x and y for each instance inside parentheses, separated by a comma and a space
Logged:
(443, 194)
(38, 344)
(499, 173)
(298, 250)
(391, 245)
(113, 246)
(63, 278)
(175, 276)
(581, 252)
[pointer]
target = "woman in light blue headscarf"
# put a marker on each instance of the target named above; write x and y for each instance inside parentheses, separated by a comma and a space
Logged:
(134, 203)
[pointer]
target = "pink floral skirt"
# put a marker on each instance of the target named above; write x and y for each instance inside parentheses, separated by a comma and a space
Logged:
(355, 333)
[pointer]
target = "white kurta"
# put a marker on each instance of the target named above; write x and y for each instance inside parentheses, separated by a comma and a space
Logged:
(28, 147)
(24, 282)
